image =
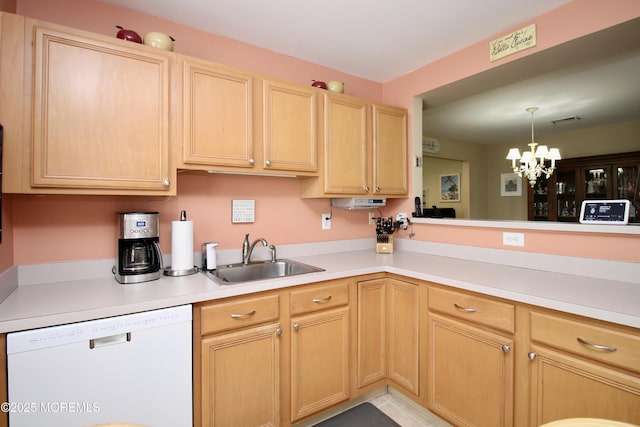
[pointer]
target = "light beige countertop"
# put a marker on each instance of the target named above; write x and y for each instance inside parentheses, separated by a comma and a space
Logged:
(35, 305)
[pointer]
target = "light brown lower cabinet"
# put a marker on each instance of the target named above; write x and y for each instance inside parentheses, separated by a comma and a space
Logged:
(237, 344)
(319, 361)
(582, 369)
(371, 356)
(470, 374)
(279, 357)
(470, 358)
(388, 333)
(241, 378)
(320, 340)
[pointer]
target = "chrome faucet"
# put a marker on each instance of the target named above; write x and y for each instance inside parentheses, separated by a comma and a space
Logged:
(247, 248)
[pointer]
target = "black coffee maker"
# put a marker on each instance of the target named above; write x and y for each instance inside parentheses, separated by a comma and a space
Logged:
(139, 255)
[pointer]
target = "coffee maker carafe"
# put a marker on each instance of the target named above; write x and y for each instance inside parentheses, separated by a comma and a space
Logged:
(139, 255)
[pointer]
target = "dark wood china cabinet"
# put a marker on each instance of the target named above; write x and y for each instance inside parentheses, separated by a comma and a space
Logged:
(605, 177)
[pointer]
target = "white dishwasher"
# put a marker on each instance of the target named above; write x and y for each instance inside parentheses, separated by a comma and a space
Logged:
(129, 369)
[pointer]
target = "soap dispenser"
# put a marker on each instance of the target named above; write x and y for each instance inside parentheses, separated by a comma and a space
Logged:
(209, 261)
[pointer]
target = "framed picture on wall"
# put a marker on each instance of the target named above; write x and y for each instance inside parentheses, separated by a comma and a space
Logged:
(510, 184)
(450, 188)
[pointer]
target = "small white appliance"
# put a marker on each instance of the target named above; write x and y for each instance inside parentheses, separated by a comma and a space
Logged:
(605, 211)
(127, 369)
(359, 203)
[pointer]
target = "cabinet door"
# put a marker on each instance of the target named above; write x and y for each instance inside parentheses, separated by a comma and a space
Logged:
(289, 117)
(403, 334)
(470, 374)
(217, 115)
(626, 186)
(567, 196)
(389, 150)
(346, 152)
(240, 378)
(100, 113)
(597, 182)
(319, 361)
(563, 386)
(372, 331)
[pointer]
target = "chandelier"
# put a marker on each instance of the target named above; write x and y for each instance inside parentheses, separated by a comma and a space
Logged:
(532, 162)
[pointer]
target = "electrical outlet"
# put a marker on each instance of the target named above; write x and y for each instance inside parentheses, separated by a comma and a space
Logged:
(513, 239)
(401, 218)
(372, 218)
(326, 221)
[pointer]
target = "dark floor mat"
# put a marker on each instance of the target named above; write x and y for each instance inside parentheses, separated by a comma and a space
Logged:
(363, 415)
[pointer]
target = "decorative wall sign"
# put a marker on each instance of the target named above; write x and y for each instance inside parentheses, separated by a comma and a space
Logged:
(521, 39)
(242, 211)
(430, 145)
(510, 184)
(450, 188)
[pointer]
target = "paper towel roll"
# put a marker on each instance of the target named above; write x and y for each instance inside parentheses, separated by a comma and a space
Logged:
(181, 245)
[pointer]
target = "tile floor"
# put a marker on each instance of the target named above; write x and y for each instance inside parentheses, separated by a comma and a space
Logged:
(398, 407)
(405, 412)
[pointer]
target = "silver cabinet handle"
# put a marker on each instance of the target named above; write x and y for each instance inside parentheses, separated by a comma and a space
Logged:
(278, 331)
(322, 300)
(377, 189)
(506, 348)
(467, 309)
(166, 183)
(252, 161)
(366, 188)
(268, 163)
(243, 316)
(596, 346)
(296, 326)
(532, 355)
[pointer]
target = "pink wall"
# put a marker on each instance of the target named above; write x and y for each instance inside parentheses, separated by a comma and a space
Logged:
(56, 228)
(59, 228)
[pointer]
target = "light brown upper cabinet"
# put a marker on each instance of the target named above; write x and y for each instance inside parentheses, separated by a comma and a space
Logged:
(96, 115)
(290, 115)
(216, 124)
(389, 144)
(233, 120)
(364, 150)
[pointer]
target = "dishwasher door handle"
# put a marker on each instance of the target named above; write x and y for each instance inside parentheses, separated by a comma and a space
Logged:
(111, 339)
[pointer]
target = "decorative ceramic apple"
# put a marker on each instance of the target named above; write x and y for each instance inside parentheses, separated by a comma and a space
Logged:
(159, 40)
(319, 84)
(128, 35)
(335, 86)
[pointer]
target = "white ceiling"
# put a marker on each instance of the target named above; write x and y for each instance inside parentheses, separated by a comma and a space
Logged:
(372, 39)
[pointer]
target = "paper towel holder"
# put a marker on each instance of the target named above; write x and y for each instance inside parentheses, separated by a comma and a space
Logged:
(176, 273)
(168, 271)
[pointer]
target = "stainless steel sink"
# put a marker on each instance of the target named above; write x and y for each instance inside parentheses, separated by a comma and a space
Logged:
(260, 270)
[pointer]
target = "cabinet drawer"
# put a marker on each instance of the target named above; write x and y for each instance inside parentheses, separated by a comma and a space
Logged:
(217, 317)
(331, 294)
(598, 343)
(495, 314)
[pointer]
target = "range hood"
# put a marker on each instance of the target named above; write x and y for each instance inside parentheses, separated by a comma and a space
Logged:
(359, 203)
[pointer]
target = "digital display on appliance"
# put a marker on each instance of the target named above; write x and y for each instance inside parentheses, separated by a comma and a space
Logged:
(141, 223)
(604, 212)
